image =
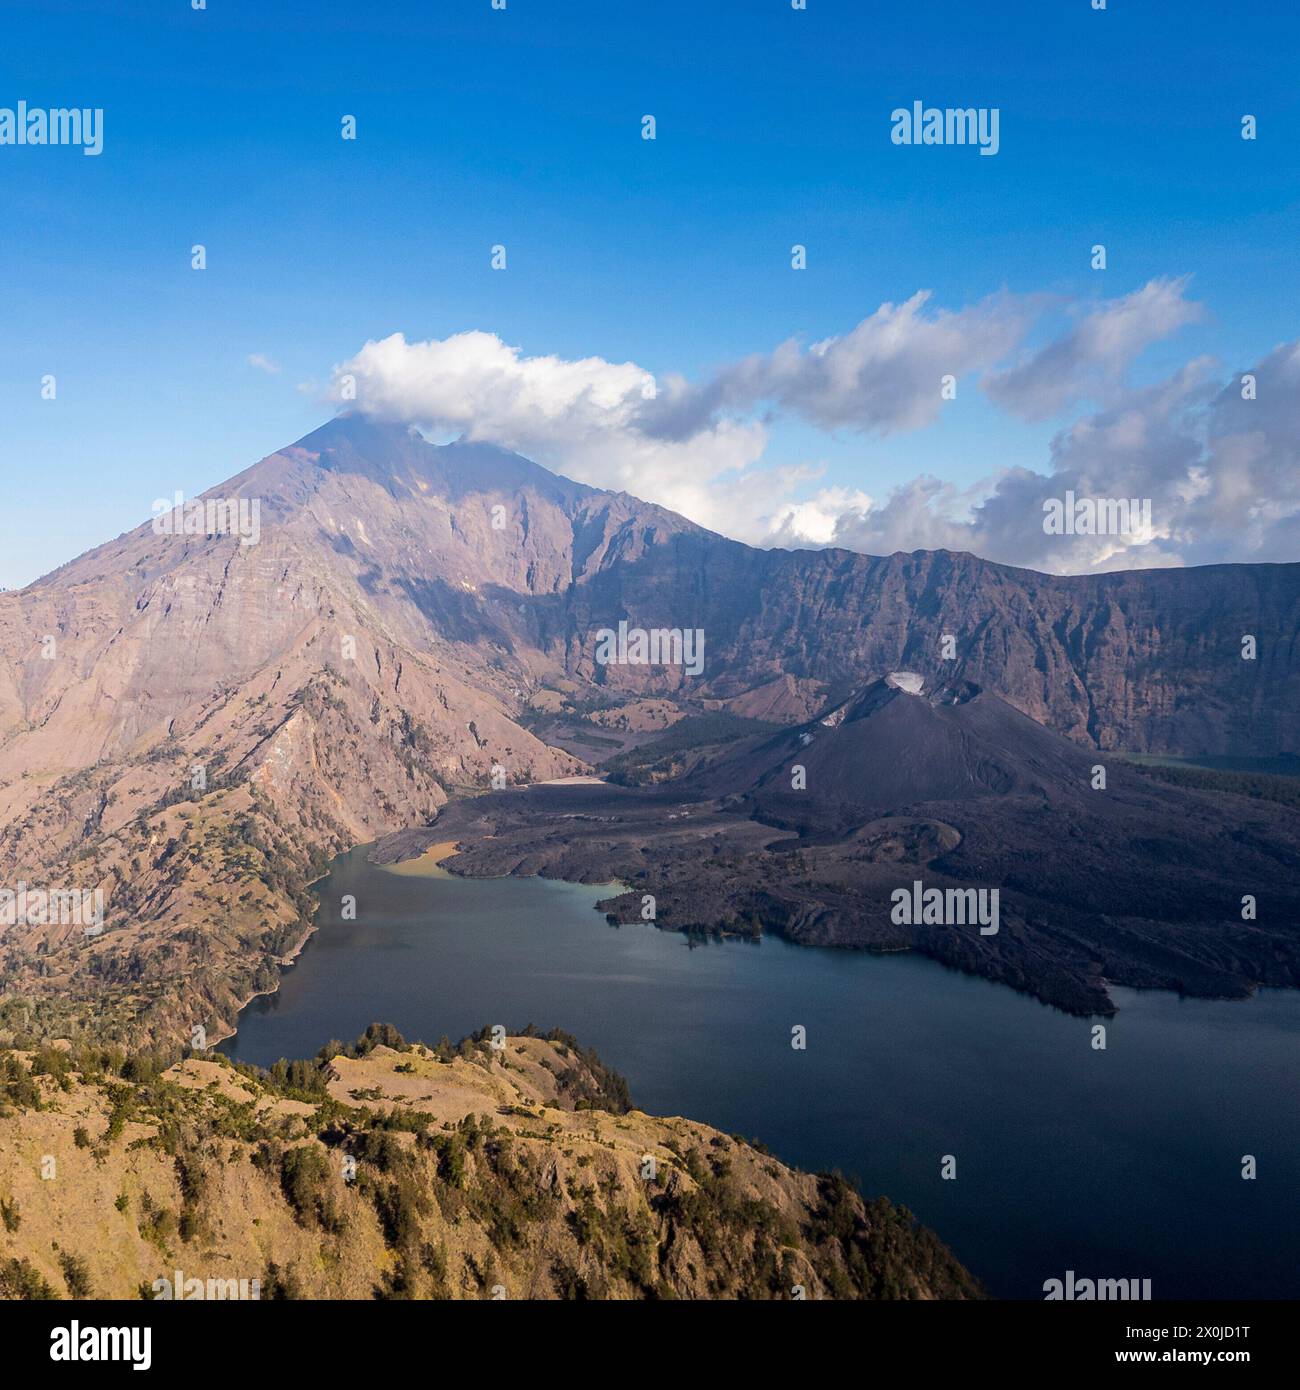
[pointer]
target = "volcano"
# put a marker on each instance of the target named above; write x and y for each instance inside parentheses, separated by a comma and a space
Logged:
(887, 748)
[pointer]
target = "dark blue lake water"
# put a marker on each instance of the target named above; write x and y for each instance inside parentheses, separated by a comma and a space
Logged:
(1117, 1164)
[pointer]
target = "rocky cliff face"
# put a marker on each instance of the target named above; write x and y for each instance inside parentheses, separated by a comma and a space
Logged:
(1145, 661)
(191, 724)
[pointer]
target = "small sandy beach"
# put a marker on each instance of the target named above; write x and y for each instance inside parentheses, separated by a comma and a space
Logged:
(426, 865)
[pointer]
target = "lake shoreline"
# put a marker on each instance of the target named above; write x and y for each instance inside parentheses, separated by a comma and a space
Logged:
(903, 1063)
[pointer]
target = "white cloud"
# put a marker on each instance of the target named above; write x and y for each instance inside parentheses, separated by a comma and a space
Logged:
(263, 364)
(883, 376)
(1090, 361)
(815, 520)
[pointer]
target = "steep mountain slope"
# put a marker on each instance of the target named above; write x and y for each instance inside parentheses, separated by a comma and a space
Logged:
(474, 1173)
(365, 532)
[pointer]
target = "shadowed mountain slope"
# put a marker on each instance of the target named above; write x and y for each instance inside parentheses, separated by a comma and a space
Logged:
(886, 748)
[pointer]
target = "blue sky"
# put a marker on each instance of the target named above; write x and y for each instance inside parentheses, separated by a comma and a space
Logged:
(522, 127)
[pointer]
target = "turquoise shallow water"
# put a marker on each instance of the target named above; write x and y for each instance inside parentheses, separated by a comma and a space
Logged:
(1117, 1164)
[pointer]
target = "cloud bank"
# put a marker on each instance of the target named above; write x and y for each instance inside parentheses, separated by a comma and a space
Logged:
(1216, 457)
(1218, 461)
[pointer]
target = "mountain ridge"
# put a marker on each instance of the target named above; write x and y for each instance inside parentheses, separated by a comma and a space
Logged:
(1146, 660)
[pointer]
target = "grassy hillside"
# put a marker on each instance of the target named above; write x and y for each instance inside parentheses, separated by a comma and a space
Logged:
(396, 1170)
